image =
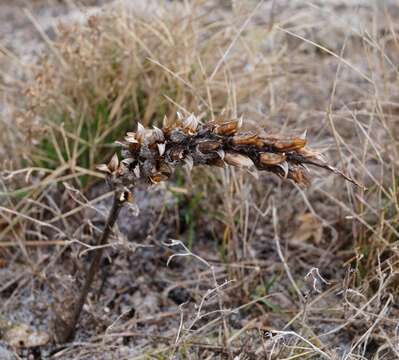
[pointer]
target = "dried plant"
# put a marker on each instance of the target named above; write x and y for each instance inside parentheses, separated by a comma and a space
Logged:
(150, 156)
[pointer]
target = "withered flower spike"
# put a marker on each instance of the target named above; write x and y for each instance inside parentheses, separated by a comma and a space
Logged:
(216, 144)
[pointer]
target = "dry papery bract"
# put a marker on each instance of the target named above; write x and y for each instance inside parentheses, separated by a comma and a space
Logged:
(151, 155)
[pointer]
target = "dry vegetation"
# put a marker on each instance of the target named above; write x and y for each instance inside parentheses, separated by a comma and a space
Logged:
(262, 268)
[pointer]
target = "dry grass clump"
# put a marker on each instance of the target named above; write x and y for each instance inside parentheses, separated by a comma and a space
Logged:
(99, 78)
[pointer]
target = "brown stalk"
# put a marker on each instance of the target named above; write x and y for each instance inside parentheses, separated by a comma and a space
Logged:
(120, 198)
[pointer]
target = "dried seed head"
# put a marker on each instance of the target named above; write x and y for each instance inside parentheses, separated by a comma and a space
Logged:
(236, 159)
(271, 159)
(152, 155)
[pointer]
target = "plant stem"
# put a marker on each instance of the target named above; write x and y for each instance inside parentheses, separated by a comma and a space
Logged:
(95, 265)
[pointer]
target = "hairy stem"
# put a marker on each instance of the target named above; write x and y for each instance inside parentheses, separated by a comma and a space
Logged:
(95, 265)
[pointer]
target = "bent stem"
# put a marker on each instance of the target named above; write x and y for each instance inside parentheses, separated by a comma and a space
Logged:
(119, 201)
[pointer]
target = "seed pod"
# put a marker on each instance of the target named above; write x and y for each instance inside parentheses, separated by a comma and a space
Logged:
(208, 146)
(289, 144)
(271, 158)
(228, 128)
(236, 159)
(245, 139)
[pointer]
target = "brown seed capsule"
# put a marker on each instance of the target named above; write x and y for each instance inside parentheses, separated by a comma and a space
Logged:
(289, 144)
(228, 128)
(271, 158)
(245, 139)
(236, 159)
(208, 146)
